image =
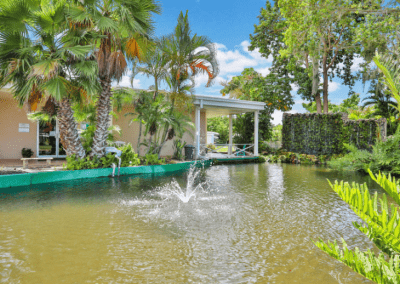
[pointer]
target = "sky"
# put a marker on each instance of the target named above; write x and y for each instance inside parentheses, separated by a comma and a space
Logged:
(228, 24)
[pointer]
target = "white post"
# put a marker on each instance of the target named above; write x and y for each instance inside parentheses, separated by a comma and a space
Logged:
(197, 123)
(256, 133)
(230, 135)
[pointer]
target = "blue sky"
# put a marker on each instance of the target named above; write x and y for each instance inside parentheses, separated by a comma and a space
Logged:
(229, 24)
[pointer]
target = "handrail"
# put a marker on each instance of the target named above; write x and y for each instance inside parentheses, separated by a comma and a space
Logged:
(204, 148)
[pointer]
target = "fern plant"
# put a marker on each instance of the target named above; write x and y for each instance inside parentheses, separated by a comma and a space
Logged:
(384, 157)
(382, 227)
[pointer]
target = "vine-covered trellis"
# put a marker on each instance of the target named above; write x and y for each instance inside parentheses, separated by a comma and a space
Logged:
(325, 134)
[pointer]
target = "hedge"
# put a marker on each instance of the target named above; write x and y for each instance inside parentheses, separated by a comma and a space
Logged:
(325, 134)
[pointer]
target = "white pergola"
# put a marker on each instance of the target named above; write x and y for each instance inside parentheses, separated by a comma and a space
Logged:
(218, 106)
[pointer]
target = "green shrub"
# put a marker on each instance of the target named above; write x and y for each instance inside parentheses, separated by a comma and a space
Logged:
(26, 152)
(261, 159)
(74, 163)
(385, 157)
(382, 228)
(129, 157)
(152, 159)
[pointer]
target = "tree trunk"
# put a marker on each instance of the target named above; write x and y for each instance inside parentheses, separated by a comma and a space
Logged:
(69, 131)
(315, 84)
(325, 85)
(102, 119)
(140, 136)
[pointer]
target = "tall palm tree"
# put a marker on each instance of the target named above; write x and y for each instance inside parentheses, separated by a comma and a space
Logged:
(44, 57)
(187, 55)
(154, 66)
(123, 26)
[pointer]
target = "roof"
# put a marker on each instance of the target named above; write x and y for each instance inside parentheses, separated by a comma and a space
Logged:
(216, 106)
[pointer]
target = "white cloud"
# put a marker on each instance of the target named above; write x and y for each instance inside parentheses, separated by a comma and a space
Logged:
(126, 82)
(295, 88)
(264, 71)
(277, 116)
(234, 61)
(333, 86)
(356, 64)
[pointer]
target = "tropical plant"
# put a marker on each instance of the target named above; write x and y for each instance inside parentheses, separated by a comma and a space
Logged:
(123, 27)
(383, 105)
(385, 157)
(154, 66)
(44, 56)
(186, 55)
(153, 159)
(382, 228)
(178, 145)
(88, 134)
(75, 163)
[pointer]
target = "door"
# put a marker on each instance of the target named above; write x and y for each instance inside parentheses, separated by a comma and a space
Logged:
(49, 140)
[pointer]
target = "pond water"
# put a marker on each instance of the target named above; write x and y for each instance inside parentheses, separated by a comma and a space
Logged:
(247, 224)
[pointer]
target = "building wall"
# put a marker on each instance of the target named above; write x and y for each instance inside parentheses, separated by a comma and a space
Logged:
(11, 140)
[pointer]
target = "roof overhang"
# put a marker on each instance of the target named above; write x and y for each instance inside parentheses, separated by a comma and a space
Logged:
(217, 106)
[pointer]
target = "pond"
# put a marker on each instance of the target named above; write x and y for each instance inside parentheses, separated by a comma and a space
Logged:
(248, 223)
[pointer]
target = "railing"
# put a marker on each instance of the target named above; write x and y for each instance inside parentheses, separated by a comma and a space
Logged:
(223, 150)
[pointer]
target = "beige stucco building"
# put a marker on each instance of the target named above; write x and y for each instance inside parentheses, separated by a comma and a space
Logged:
(18, 132)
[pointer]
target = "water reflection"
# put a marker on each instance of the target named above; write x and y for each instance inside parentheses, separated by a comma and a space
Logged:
(248, 224)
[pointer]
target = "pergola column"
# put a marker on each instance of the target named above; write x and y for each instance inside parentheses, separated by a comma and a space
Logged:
(256, 133)
(230, 135)
(197, 124)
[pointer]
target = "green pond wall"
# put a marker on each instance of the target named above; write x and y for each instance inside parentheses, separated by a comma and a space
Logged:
(325, 134)
(7, 181)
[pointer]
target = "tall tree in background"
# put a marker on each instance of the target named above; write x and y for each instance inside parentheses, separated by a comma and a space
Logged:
(268, 38)
(123, 26)
(319, 29)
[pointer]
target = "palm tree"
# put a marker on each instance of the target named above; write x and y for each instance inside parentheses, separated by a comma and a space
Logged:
(155, 66)
(44, 57)
(187, 55)
(389, 66)
(383, 104)
(123, 26)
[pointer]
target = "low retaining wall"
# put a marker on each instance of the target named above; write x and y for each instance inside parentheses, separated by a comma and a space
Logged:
(7, 181)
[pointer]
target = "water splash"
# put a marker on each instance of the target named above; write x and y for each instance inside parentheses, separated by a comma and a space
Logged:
(185, 194)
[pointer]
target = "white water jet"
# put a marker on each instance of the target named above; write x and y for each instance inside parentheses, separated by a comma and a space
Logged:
(182, 194)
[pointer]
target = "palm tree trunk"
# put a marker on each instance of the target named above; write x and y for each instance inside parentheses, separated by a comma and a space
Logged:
(102, 119)
(140, 136)
(68, 130)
